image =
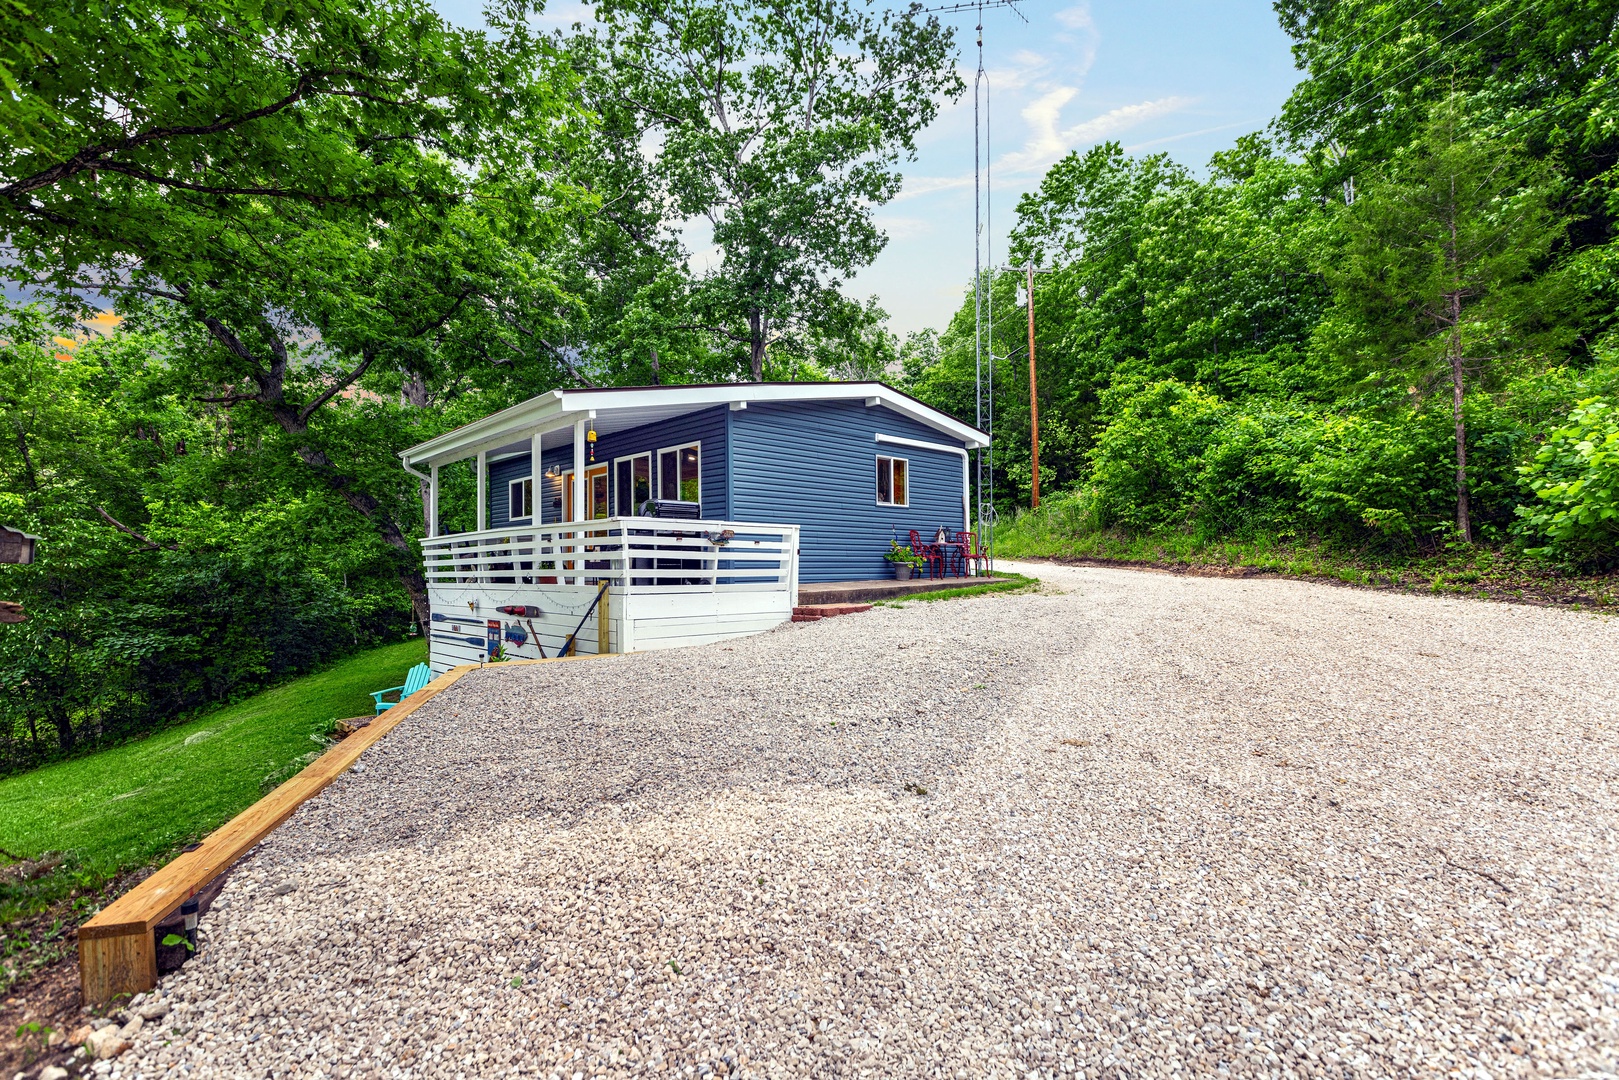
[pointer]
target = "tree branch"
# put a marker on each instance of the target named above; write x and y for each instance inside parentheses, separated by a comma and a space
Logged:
(151, 545)
(336, 388)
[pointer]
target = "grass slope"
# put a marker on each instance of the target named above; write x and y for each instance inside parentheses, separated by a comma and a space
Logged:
(128, 805)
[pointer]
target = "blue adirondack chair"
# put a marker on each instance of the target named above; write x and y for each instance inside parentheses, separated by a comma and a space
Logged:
(416, 678)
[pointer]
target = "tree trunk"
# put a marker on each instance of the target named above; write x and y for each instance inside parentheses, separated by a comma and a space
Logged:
(65, 737)
(756, 332)
(415, 395)
(657, 377)
(1464, 524)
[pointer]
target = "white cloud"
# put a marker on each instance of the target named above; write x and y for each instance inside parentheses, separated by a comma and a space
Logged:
(903, 228)
(1077, 17)
(1047, 143)
(1252, 125)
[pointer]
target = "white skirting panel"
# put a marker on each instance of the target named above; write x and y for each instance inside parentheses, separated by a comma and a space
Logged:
(670, 582)
(637, 620)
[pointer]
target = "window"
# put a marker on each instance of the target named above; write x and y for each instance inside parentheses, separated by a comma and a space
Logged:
(520, 499)
(893, 474)
(633, 484)
(679, 474)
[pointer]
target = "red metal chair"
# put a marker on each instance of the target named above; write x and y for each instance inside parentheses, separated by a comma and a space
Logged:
(929, 553)
(970, 552)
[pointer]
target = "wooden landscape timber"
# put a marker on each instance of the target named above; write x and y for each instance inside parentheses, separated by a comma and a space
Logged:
(117, 950)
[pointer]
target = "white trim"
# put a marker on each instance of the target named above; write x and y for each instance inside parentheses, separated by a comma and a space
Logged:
(550, 410)
(579, 511)
(432, 503)
(528, 511)
(877, 494)
(483, 494)
(652, 461)
(657, 461)
(536, 475)
(966, 483)
(738, 406)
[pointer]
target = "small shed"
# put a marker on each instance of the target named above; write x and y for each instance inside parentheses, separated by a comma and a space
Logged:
(818, 476)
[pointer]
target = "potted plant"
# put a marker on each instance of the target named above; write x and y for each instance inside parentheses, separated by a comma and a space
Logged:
(903, 559)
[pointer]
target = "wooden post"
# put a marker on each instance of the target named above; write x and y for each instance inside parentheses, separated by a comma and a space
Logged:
(1034, 406)
(604, 625)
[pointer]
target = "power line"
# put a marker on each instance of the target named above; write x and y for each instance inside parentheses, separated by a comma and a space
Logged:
(1320, 114)
(1341, 61)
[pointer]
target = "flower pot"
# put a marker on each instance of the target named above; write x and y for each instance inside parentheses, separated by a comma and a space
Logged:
(902, 571)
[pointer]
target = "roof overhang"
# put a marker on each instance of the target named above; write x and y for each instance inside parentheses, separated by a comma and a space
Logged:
(551, 414)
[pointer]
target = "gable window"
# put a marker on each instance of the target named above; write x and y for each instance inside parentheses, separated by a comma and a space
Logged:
(680, 473)
(632, 486)
(520, 499)
(893, 481)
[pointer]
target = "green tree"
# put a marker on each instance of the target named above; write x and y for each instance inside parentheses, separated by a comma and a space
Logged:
(1443, 271)
(335, 198)
(778, 123)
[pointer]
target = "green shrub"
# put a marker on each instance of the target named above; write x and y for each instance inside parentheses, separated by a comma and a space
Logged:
(1148, 459)
(1575, 481)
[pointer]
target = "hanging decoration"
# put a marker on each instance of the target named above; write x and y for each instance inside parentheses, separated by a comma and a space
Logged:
(590, 440)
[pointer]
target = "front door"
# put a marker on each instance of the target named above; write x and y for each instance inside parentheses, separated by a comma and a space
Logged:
(595, 493)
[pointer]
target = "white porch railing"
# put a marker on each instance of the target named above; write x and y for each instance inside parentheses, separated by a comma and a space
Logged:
(632, 553)
(669, 582)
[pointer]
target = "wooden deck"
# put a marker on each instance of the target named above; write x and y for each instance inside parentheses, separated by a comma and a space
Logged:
(856, 592)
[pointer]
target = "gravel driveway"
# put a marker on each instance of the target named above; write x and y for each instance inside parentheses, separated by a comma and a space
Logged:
(1132, 824)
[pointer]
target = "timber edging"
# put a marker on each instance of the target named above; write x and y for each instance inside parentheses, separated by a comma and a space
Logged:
(117, 954)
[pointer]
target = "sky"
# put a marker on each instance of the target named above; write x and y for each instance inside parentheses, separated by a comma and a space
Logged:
(1184, 77)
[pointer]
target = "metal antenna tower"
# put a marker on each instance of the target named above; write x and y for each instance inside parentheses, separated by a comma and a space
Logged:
(983, 309)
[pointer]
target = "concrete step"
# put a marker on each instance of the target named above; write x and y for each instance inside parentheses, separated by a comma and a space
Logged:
(826, 611)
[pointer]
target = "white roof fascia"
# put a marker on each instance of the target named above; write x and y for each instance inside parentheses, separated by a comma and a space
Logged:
(464, 441)
(871, 393)
(559, 408)
(510, 436)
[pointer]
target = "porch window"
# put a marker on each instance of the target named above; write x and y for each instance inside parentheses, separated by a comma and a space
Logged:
(520, 499)
(679, 473)
(893, 488)
(633, 484)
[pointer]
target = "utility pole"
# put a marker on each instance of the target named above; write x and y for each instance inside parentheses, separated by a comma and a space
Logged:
(1034, 405)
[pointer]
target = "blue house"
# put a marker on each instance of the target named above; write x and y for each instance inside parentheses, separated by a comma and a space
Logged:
(835, 471)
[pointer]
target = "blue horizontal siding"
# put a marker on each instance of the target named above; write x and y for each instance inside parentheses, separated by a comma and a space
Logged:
(814, 464)
(706, 427)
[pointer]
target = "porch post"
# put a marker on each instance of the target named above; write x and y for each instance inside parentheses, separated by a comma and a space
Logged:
(535, 480)
(483, 495)
(580, 513)
(432, 502)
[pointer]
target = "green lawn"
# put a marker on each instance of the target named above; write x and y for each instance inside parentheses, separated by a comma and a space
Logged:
(135, 803)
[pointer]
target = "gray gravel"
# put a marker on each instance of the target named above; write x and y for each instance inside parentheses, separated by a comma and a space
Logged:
(1133, 824)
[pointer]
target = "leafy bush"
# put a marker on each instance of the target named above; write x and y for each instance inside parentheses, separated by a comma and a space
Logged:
(1575, 479)
(1148, 459)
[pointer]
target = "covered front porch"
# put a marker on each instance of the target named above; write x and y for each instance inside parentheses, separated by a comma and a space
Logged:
(608, 585)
